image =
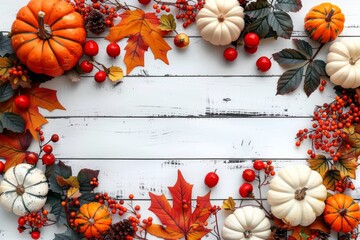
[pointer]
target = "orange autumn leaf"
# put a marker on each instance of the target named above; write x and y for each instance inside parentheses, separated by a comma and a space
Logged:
(143, 32)
(179, 220)
(13, 148)
(39, 97)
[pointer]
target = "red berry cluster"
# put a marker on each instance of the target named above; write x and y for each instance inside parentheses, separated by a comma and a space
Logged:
(327, 133)
(94, 182)
(322, 85)
(17, 71)
(84, 9)
(344, 184)
(33, 221)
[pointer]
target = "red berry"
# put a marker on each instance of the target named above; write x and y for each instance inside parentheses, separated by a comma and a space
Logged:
(245, 189)
(250, 50)
(251, 40)
(21, 221)
(31, 158)
(2, 167)
(86, 66)
(100, 76)
(55, 138)
(249, 175)
(144, 2)
(230, 54)
(258, 165)
(113, 50)
(48, 159)
(211, 179)
(22, 102)
(48, 149)
(91, 48)
(263, 64)
(35, 234)
(181, 40)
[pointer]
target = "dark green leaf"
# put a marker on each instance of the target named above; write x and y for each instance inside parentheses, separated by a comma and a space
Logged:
(85, 176)
(68, 235)
(312, 79)
(320, 67)
(303, 46)
(1, 128)
(260, 26)
(260, 8)
(5, 44)
(6, 92)
(289, 5)
(54, 200)
(289, 81)
(55, 170)
(87, 197)
(12, 122)
(289, 57)
(281, 23)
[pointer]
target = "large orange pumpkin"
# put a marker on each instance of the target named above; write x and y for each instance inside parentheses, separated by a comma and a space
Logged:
(47, 36)
(341, 213)
(324, 22)
(93, 220)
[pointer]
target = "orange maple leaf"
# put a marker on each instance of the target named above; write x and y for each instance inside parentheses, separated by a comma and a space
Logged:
(179, 219)
(143, 32)
(39, 97)
(13, 148)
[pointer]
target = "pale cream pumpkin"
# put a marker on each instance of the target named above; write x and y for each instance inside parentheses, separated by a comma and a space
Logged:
(23, 189)
(246, 223)
(297, 195)
(221, 22)
(343, 63)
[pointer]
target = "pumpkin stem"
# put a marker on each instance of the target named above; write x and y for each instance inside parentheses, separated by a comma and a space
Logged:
(247, 234)
(342, 212)
(330, 14)
(44, 31)
(300, 194)
(221, 18)
(352, 61)
(91, 221)
(20, 190)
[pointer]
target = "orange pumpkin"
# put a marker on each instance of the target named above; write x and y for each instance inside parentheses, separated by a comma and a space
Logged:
(47, 36)
(93, 220)
(341, 213)
(324, 22)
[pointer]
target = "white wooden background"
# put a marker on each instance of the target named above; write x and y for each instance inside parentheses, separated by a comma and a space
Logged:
(198, 114)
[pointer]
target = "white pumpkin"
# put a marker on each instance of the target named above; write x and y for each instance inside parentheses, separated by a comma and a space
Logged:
(23, 189)
(343, 63)
(221, 21)
(297, 195)
(246, 223)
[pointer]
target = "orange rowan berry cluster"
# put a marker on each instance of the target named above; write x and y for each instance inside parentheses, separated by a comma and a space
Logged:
(33, 221)
(322, 85)
(266, 166)
(94, 182)
(330, 120)
(17, 71)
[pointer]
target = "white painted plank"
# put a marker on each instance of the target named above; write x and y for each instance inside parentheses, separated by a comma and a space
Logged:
(175, 96)
(177, 137)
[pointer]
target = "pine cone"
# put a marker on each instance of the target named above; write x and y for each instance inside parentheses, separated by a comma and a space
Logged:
(95, 22)
(120, 230)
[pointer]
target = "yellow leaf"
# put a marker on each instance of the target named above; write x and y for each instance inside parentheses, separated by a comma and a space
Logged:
(347, 167)
(5, 65)
(319, 164)
(73, 192)
(115, 73)
(167, 23)
(330, 179)
(71, 181)
(229, 204)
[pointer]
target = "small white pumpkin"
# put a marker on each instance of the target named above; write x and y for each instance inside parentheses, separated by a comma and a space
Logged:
(246, 223)
(297, 195)
(343, 63)
(23, 189)
(221, 21)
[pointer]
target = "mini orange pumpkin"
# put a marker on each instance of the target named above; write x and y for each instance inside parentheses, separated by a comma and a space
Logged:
(341, 213)
(324, 22)
(93, 220)
(47, 36)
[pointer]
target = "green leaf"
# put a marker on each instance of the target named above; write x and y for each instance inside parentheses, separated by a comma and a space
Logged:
(281, 23)
(55, 170)
(260, 8)
(12, 122)
(260, 26)
(320, 67)
(68, 235)
(289, 57)
(330, 179)
(289, 5)
(303, 46)
(6, 92)
(312, 79)
(289, 81)
(1, 128)
(87, 197)
(5, 44)
(54, 200)
(85, 176)
(167, 23)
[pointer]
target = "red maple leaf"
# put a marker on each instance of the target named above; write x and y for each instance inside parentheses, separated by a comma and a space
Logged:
(179, 221)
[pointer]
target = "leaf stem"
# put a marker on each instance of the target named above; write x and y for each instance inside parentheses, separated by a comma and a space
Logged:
(316, 53)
